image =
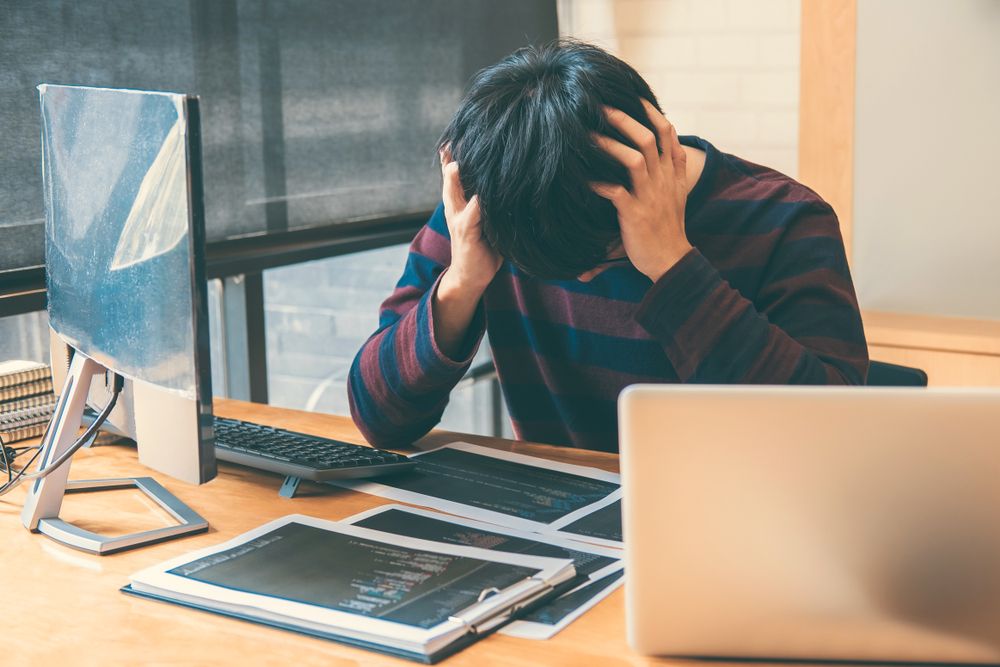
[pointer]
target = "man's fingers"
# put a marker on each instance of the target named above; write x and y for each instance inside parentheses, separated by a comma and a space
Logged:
(451, 190)
(677, 155)
(630, 158)
(445, 155)
(661, 124)
(667, 133)
(616, 194)
(638, 134)
(472, 210)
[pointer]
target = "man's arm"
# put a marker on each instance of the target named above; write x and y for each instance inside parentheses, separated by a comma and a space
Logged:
(473, 263)
(429, 329)
(399, 382)
(804, 327)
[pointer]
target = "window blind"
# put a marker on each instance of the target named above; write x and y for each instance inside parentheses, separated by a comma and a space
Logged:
(314, 112)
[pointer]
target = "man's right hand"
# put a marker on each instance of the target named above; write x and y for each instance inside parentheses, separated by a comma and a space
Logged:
(473, 262)
(473, 265)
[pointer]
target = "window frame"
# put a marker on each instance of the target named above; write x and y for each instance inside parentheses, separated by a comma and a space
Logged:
(243, 260)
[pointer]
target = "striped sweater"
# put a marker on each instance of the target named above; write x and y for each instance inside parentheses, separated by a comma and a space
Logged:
(765, 297)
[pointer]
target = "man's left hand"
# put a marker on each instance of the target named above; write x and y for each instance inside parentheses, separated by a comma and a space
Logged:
(651, 213)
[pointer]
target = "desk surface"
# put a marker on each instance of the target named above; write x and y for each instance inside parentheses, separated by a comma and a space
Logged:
(62, 606)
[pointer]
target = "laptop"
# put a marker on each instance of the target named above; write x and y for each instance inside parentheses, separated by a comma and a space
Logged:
(812, 523)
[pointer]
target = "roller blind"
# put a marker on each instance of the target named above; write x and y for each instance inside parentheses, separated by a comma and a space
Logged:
(314, 112)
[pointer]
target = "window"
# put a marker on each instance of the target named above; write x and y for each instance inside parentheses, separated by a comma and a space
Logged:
(312, 113)
(319, 120)
(319, 313)
(25, 337)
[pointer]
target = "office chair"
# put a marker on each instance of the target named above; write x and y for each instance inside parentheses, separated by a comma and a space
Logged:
(883, 374)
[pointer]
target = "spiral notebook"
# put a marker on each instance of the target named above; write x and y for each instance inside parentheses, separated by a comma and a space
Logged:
(26, 399)
(18, 371)
(25, 389)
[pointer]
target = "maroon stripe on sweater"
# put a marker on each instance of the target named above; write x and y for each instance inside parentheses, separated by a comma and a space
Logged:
(825, 283)
(585, 312)
(703, 328)
(403, 299)
(764, 185)
(432, 245)
(736, 251)
(392, 410)
(834, 347)
(732, 251)
(566, 373)
(406, 352)
(771, 362)
(835, 376)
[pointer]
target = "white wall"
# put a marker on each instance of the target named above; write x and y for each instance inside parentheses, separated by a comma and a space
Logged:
(727, 70)
(927, 157)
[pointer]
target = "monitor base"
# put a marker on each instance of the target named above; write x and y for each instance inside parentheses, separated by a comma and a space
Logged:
(85, 540)
(44, 499)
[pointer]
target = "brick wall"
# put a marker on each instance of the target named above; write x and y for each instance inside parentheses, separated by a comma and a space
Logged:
(727, 70)
(318, 314)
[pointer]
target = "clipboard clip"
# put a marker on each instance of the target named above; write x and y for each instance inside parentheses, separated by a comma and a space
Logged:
(487, 592)
(494, 606)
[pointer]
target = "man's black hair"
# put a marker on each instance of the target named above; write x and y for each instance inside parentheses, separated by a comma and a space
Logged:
(522, 138)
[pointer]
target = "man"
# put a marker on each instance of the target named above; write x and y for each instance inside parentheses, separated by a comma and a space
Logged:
(599, 249)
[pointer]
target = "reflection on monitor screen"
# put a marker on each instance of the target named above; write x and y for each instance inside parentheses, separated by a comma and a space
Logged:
(125, 239)
(117, 239)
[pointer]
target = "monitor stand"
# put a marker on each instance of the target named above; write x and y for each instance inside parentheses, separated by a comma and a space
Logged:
(45, 496)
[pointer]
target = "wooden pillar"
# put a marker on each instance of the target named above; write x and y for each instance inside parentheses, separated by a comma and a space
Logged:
(826, 105)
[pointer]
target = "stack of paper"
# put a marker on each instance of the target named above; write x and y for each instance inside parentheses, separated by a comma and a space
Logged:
(509, 542)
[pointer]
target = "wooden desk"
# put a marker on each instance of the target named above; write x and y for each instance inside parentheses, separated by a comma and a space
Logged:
(953, 351)
(63, 607)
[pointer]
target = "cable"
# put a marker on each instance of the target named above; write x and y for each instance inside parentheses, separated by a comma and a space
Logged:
(12, 480)
(119, 383)
(9, 454)
(83, 439)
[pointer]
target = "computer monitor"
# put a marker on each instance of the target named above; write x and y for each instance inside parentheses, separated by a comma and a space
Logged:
(126, 290)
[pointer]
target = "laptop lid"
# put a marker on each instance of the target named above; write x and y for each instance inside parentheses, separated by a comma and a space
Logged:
(812, 523)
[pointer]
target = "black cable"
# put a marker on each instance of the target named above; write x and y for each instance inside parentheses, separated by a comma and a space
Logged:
(12, 483)
(81, 441)
(8, 458)
(12, 480)
(119, 383)
(9, 454)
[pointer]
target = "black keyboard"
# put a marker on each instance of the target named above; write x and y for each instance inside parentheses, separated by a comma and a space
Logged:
(301, 455)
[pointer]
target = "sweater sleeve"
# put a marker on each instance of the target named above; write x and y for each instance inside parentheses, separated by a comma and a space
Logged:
(803, 326)
(399, 383)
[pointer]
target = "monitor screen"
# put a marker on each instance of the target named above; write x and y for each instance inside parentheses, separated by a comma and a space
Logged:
(124, 241)
(118, 231)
